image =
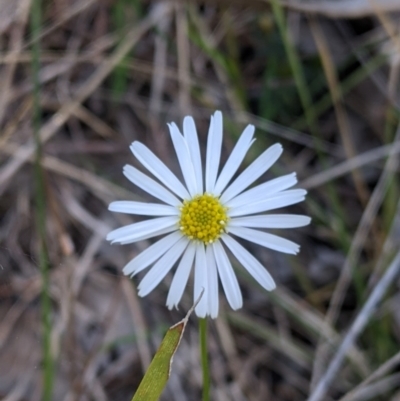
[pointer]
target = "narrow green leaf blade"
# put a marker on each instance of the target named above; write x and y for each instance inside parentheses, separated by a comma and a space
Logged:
(158, 373)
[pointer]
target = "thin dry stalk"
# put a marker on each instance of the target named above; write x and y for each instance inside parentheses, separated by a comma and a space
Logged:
(158, 69)
(361, 235)
(289, 134)
(341, 169)
(139, 321)
(341, 115)
(53, 125)
(183, 59)
(16, 44)
(380, 372)
(347, 9)
(100, 187)
(211, 43)
(355, 330)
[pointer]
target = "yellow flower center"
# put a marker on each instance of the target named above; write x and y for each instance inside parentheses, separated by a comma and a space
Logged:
(203, 218)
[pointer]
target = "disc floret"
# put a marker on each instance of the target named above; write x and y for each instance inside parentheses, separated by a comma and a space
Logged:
(203, 218)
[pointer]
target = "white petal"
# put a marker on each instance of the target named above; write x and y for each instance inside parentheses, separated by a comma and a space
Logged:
(136, 230)
(157, 233)
(157, 273)
(200, 281)
(214, 143)
(183, 155)
(271, 221)
(263, 191)
(181, 277)
(281, 199)
(235, 159)
(254, 171)
(159, 169)
(212, 283)
(192, 140)
(150, 186)
(265, 239)
(151, 254)
(250, 263)
(227, 276)
(141, 208)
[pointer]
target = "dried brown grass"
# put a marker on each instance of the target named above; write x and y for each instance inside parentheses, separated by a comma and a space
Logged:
(279, 346)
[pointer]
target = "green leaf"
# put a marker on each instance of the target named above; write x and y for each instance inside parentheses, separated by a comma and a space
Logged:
(158, 373)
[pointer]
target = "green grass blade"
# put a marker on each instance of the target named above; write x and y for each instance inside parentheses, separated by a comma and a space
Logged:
(40, 210)
(306, 102)
(304, 94)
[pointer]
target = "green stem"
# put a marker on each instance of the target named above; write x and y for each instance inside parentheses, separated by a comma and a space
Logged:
(40, 210)
(204, 359)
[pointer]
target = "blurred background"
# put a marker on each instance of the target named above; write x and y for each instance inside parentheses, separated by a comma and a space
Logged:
(80, 80)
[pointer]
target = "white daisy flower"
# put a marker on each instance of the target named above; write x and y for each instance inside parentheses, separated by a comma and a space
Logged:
(200, 219)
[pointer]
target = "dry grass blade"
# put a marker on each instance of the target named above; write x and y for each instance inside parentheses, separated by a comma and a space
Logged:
(347, 9)
(296, 351)
(160, 63)
(359, 239)
(211, 42)
(16, 43)
(380, 372)
(355, 330)
(67, 14)
(341, 114)
(183, 59)
(51, 127)
(11, 12)
(362, 231)
(313, 320)
(345, 167)
(377, 389)
(139, 323)
(100, 187)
